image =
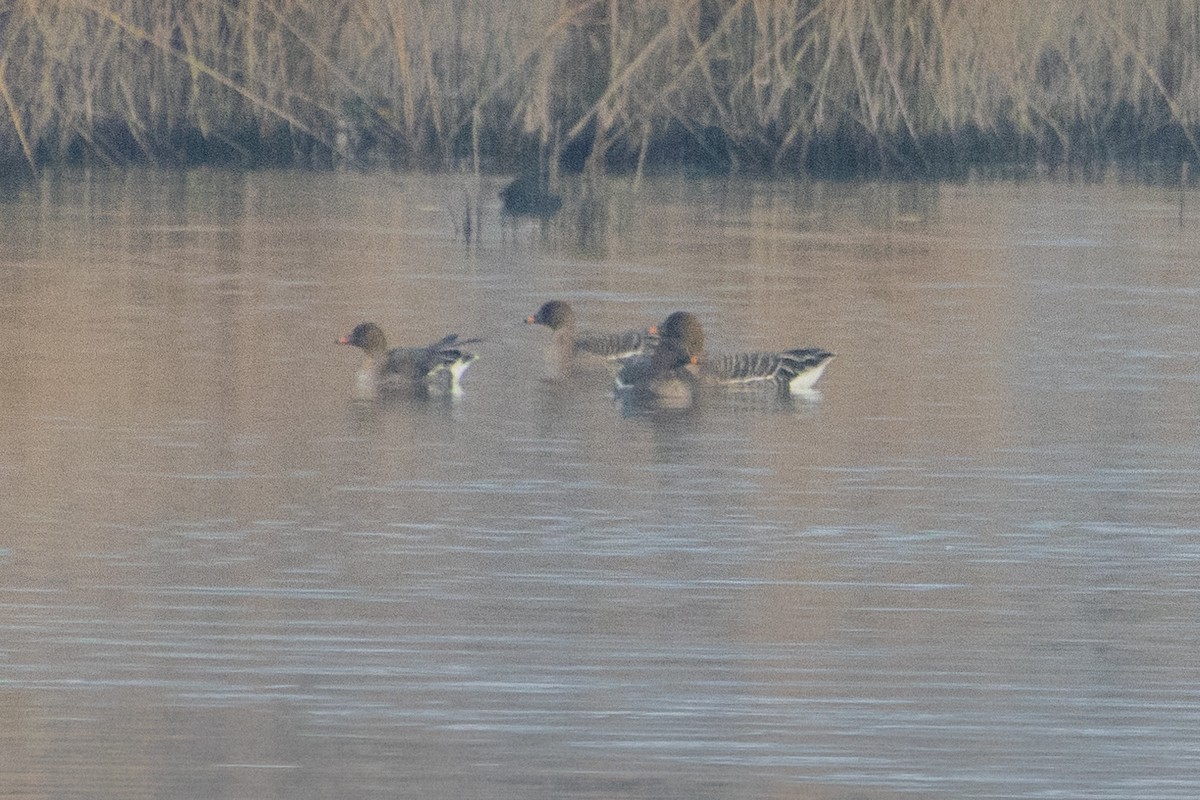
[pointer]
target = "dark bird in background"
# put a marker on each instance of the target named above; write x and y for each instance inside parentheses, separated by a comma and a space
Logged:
(530, 195)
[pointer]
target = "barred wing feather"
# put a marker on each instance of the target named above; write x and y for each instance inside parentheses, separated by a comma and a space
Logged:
(616, 346)
(796, 369)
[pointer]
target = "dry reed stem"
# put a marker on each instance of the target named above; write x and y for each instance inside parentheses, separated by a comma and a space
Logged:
(889, 69)
(14, 116)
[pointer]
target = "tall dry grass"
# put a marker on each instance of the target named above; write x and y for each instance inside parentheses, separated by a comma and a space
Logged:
(909, 82)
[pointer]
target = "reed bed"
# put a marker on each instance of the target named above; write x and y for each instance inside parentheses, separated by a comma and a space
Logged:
(765, 84)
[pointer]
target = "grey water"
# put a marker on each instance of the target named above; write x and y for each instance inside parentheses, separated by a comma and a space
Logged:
(966, 568)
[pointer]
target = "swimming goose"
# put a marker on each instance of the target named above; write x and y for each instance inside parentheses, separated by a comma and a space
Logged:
(664, 378)
(530, 195)
(566, 344)
(435, 367)
(796, 369)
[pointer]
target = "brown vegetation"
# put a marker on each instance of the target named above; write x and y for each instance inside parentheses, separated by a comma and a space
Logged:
(776, 84)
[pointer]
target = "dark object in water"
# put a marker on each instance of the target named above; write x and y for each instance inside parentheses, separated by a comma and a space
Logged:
(529, 195)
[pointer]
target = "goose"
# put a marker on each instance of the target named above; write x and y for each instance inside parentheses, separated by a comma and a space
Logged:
(665, 378)
(567, 345)
(797, 369)
(434, 367)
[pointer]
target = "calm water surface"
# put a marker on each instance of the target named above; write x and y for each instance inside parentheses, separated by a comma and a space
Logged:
(967, 569)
